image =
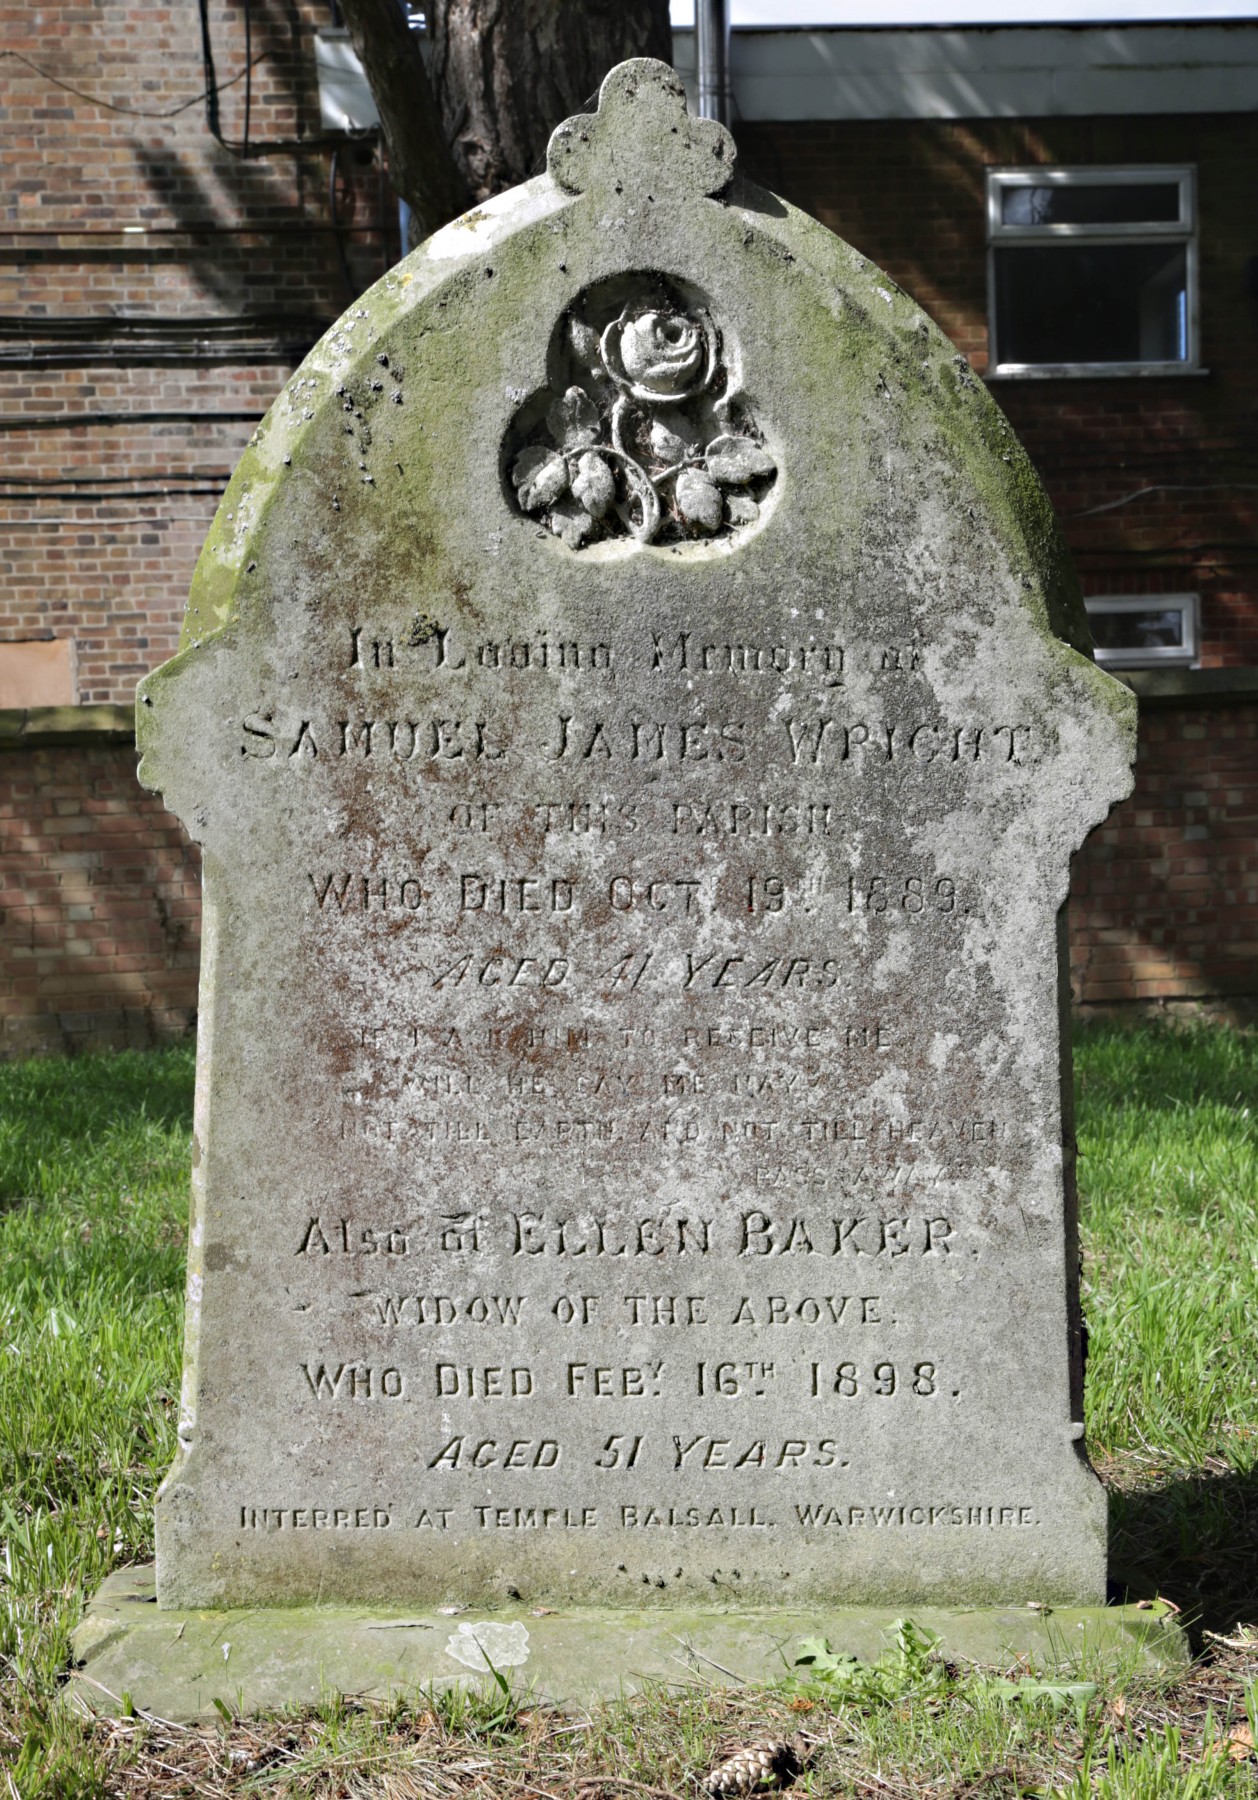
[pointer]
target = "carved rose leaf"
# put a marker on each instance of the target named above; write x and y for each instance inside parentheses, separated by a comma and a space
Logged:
(741, 509)
(540, 476)
(573, 421)
(593, 484)
(671, 435)
(569, 520)
(699, 500)
(528, 463)
(734, 460)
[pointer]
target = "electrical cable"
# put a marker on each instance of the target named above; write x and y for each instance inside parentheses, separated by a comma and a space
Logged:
(86, 497)
(66, 481)
(211, 81)
(201, 228)
(208, 94)
(334, 215)
(1169, 487)
(81, 488)
(248, 73)
(75, 340)
(128, 325)
(134, 112)
(75, 421)
(213, 89)
(156, 517)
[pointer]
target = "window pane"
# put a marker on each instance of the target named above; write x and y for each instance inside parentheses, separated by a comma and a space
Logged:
(1092, 303)
(1152, 630)
(1091, 203)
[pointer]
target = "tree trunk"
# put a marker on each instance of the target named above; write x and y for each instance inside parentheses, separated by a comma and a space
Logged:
(421, 168)
(506, 72)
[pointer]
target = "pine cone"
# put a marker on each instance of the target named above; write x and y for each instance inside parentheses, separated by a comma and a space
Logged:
(764, 1765)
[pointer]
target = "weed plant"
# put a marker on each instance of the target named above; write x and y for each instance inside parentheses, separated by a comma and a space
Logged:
(93, 1205)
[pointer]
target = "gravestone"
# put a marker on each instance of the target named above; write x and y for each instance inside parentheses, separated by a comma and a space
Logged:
(637, 712)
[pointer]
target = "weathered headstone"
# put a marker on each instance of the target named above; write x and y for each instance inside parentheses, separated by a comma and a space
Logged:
(629, 709)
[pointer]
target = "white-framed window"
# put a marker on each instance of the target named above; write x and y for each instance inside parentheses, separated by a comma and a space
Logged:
(1092, 271)
(1144, 631)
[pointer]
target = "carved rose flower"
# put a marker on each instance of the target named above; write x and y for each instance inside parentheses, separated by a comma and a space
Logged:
(622, 443)
(659, 357)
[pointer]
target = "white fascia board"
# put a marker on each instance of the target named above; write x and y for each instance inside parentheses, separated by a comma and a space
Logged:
(985, 72)
(988, 72)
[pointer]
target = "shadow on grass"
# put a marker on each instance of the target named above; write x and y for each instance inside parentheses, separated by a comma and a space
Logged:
(1163, 1066)
(54, 1111)
(1193, 1540)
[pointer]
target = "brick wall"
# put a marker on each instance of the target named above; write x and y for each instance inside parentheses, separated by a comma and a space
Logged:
(112, 466)
(910, 195)
(100, 904)
(1164, 899)
(221, 260)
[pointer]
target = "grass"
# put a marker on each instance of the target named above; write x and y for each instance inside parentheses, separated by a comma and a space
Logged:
(93, 1185)
(1168, 1174)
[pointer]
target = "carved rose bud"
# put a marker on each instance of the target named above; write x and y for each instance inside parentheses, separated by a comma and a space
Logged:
(573, 420)
(660, 357)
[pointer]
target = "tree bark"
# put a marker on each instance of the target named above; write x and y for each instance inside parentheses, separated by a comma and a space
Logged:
(506, 72)
(421, 167)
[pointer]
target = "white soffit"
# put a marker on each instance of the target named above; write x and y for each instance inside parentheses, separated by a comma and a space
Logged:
(987, 72)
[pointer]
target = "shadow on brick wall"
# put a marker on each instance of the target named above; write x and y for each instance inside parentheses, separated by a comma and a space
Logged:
(100, 906)
(258, 207)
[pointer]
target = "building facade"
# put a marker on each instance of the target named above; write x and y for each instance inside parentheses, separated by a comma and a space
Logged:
(186, 214)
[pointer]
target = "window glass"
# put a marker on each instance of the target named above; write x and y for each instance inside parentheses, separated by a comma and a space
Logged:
(1091, 203)
(1075, 302)
(1092, 269)
(1156, 629)
(1159, 631)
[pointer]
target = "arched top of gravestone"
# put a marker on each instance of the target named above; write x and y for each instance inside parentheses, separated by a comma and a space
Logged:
(638, 380)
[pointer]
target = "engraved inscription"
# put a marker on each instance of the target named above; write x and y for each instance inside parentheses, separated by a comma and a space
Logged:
(636, 809)
(528, 1236)
(701, 740)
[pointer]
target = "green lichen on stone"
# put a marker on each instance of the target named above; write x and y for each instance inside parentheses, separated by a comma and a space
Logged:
(172, 1665)
(936, 382)
(395, 663)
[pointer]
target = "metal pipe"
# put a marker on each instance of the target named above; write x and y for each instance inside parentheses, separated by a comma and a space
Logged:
(712, 44)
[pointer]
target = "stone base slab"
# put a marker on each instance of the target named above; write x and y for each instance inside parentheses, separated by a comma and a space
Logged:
(175, 1665)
